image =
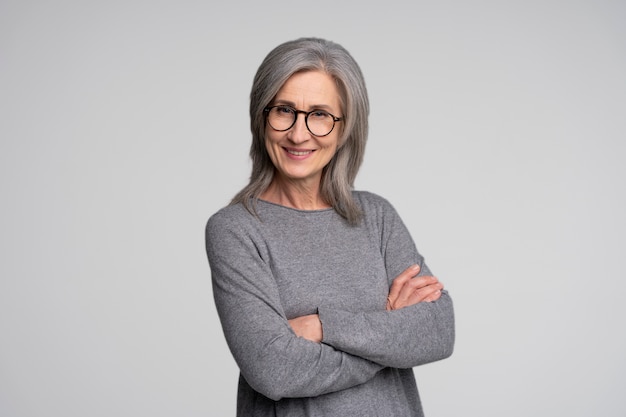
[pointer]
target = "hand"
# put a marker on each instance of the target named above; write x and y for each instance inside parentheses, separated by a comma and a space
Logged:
(408, 289)
(308, 327)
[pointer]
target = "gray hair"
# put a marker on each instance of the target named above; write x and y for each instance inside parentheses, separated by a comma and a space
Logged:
(311, 54)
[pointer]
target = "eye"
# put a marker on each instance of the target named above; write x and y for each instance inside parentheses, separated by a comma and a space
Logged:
(284, 110)
(319, 114)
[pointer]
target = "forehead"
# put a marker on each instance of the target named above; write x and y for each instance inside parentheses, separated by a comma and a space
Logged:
(309, 89)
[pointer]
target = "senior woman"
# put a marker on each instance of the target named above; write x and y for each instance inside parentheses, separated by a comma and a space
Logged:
(325, 302)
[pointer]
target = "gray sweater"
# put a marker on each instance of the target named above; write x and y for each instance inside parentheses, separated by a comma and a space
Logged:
(289, 263)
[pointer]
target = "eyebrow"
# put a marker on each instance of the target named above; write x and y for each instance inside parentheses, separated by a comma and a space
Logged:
(313, 107)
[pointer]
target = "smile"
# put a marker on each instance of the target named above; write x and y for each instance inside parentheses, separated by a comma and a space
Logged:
(298, 153)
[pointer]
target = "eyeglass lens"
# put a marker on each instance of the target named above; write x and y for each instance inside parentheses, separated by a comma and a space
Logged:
(319, 122)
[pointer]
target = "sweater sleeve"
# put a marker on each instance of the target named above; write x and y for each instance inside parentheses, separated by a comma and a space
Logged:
(272, 359)
(404, 338)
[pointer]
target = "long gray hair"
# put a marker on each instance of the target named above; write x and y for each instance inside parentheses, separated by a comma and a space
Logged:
(311, 54)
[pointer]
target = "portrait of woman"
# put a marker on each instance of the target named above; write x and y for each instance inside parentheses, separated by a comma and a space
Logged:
(205, 212)
(325, 302)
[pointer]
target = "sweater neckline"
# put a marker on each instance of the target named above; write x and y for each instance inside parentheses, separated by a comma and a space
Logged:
(269, 203)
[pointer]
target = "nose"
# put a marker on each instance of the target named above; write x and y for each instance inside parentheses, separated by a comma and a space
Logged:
(299, 133)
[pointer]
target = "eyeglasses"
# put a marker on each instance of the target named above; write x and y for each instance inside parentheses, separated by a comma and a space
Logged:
(318, 122)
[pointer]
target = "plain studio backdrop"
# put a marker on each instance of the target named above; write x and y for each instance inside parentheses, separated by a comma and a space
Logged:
(498, 131)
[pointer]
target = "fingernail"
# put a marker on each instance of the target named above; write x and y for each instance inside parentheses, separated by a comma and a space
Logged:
(416, 267)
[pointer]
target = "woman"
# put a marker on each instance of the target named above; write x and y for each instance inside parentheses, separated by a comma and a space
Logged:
(325, 302)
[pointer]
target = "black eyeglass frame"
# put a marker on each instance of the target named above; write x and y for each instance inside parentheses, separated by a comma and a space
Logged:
(306, 118)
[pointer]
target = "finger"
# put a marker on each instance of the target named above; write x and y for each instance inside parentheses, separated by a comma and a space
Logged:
(411, 295)
(433, 297)
(419, 282)
(426, 293)
(436, 295)
(399, 282)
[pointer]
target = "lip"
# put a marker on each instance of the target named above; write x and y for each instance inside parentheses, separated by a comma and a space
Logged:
(298, 154)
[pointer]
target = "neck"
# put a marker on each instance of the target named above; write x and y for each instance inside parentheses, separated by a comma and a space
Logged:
(296, 195)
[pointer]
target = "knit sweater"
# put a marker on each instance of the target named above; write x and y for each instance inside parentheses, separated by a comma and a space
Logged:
(287, 263)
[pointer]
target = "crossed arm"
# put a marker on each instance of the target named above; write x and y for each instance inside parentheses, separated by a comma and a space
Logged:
(407, 289)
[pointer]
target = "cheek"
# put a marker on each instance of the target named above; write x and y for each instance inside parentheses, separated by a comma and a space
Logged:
(338, 142)
(270, 140)
(341, 139)
(271, 149)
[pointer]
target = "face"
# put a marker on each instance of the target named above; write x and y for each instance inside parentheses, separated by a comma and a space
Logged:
(297, 154)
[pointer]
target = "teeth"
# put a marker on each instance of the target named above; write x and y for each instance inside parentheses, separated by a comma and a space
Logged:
(299, 153)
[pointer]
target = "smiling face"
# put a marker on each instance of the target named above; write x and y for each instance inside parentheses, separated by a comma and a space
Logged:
(298, 155)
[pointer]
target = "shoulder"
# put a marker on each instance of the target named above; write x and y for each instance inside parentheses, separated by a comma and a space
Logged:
(228, 219)
(228, 213)
(232, 231)
(377, 211)
(371, 202)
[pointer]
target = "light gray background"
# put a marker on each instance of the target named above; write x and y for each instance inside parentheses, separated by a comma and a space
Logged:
(497, 131)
